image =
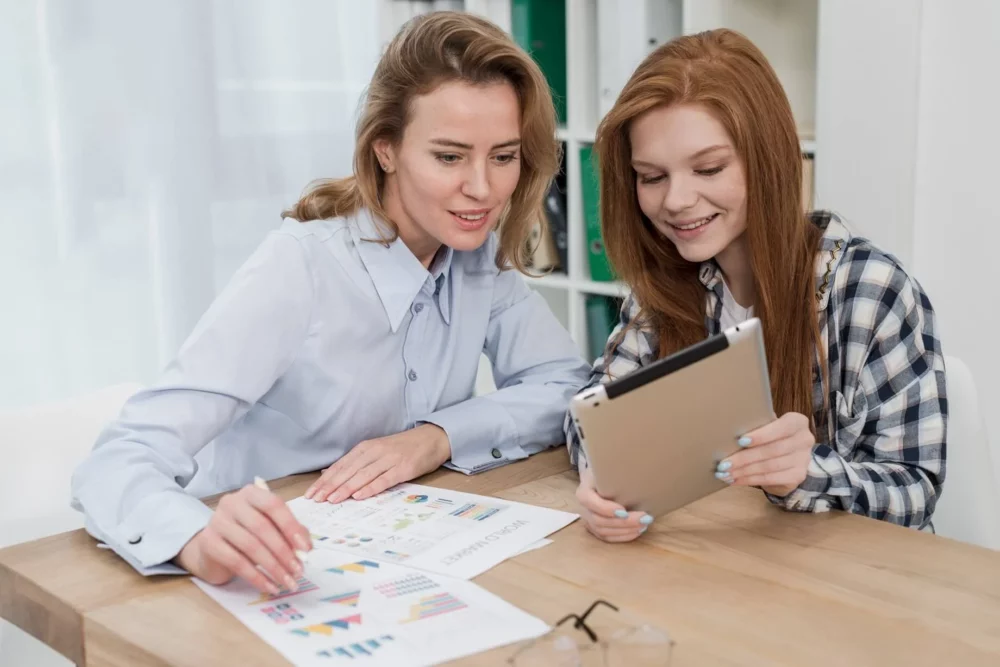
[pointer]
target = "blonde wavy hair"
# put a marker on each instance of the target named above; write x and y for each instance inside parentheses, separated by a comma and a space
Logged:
(428, 51)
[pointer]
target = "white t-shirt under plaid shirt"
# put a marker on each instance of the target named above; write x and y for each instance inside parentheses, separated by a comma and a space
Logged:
(881, 442)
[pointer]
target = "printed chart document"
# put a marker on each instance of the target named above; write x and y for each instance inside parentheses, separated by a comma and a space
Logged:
(435, 530)
(359, 611)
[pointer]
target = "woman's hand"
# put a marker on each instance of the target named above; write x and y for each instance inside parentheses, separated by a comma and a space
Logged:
(376, 465)
(606, 519)
(252, 530)
(776, 456)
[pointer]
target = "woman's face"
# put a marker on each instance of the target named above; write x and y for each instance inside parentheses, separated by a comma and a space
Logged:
(689, 180)
(456, 167)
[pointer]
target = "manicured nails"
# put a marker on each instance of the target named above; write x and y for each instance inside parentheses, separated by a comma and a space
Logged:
(744, 442)
(621, 514)
(723, 466)
(302, 543)
(646, 520)
(722, 475)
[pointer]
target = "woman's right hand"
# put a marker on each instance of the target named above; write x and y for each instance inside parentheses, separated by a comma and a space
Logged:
(250, 528)
(606, 519)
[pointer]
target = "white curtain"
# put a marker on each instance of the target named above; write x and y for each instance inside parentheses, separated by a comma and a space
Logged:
(146, 147)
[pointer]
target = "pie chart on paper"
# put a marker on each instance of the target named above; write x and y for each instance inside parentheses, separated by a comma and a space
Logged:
(416, 499)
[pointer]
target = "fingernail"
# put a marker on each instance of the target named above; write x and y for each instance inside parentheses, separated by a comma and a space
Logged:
(302, 556)
(309, 493)
(724, 466)
(302, 543)
(291, 585)
(273, 590)
(744, 441)
(621, 514)
(295, 566)
(723, 476)
(646, 519)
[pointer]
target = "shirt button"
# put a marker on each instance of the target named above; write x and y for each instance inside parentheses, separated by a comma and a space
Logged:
(496, 453)
(413, 375)
(417, 308)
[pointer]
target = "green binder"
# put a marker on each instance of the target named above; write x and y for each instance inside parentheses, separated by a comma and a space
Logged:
(539, 26)
(602, 316)
(600, 270)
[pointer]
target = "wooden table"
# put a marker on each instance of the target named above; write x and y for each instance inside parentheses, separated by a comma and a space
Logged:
(734, 580)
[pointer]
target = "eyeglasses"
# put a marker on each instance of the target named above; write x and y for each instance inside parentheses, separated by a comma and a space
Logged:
(628, 645)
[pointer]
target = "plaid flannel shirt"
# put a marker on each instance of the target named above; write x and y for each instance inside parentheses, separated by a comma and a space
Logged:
(881, 446)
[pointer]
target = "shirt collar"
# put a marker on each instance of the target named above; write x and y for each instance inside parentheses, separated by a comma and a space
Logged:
(397, 274)
(835, 238)
(440, 283)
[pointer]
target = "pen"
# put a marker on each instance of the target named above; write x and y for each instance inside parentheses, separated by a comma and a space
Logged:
(261, 484)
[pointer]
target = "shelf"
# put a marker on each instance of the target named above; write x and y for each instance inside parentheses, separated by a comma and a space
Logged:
(563, 282)
(585, 137)
(566, 134)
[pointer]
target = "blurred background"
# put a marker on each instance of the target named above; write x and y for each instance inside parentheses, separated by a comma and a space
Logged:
(147, 147)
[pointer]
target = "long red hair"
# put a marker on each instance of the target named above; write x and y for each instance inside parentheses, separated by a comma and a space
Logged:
(724, 72)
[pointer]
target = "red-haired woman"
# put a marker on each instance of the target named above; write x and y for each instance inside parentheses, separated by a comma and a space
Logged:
(702, 216)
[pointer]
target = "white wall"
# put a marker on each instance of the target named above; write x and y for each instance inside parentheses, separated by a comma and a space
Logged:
(866, 116)
(908, 144)
(956, 230)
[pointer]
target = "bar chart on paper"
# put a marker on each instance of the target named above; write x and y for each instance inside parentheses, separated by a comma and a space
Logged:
(368, 647)
(434, 605)
(431, 529)
(358, 611)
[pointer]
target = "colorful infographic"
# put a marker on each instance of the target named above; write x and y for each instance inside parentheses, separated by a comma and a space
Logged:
(360, 612)
(454, 533)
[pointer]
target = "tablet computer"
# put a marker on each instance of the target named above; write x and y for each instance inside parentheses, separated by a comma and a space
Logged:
(653, 438)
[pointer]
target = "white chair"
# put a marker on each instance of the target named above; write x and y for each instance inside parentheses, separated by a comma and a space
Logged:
(42, 447)
(969, 508)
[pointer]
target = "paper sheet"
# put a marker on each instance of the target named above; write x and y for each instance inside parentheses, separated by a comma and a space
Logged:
(435, 530)
(352, 610)
(532, 547)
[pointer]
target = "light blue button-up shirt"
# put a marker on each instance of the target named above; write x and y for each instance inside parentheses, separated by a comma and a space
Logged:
(322, 340)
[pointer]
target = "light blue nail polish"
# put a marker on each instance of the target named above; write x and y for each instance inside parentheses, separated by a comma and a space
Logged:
(724, 466)
(621, 514)
(646, 519)
(744, 442)
(722, 475)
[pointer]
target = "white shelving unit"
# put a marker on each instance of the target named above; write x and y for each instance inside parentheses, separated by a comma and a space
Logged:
(785, 30)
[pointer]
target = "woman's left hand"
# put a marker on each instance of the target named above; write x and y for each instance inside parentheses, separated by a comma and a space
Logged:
(373, 466)
(776, 456)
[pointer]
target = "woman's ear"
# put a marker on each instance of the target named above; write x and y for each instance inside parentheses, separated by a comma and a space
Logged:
(385, 155)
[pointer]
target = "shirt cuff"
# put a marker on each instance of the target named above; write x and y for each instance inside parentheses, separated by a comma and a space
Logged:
(481, 433)
(156, 530)
(808, 496)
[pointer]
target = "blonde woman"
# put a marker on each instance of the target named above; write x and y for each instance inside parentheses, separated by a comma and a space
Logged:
(351, 338)
(701, 213)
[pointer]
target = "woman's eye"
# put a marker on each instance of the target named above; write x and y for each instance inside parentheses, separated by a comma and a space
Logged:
(448, 158)
(506, 158)
(650, 180)
(709, 172)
